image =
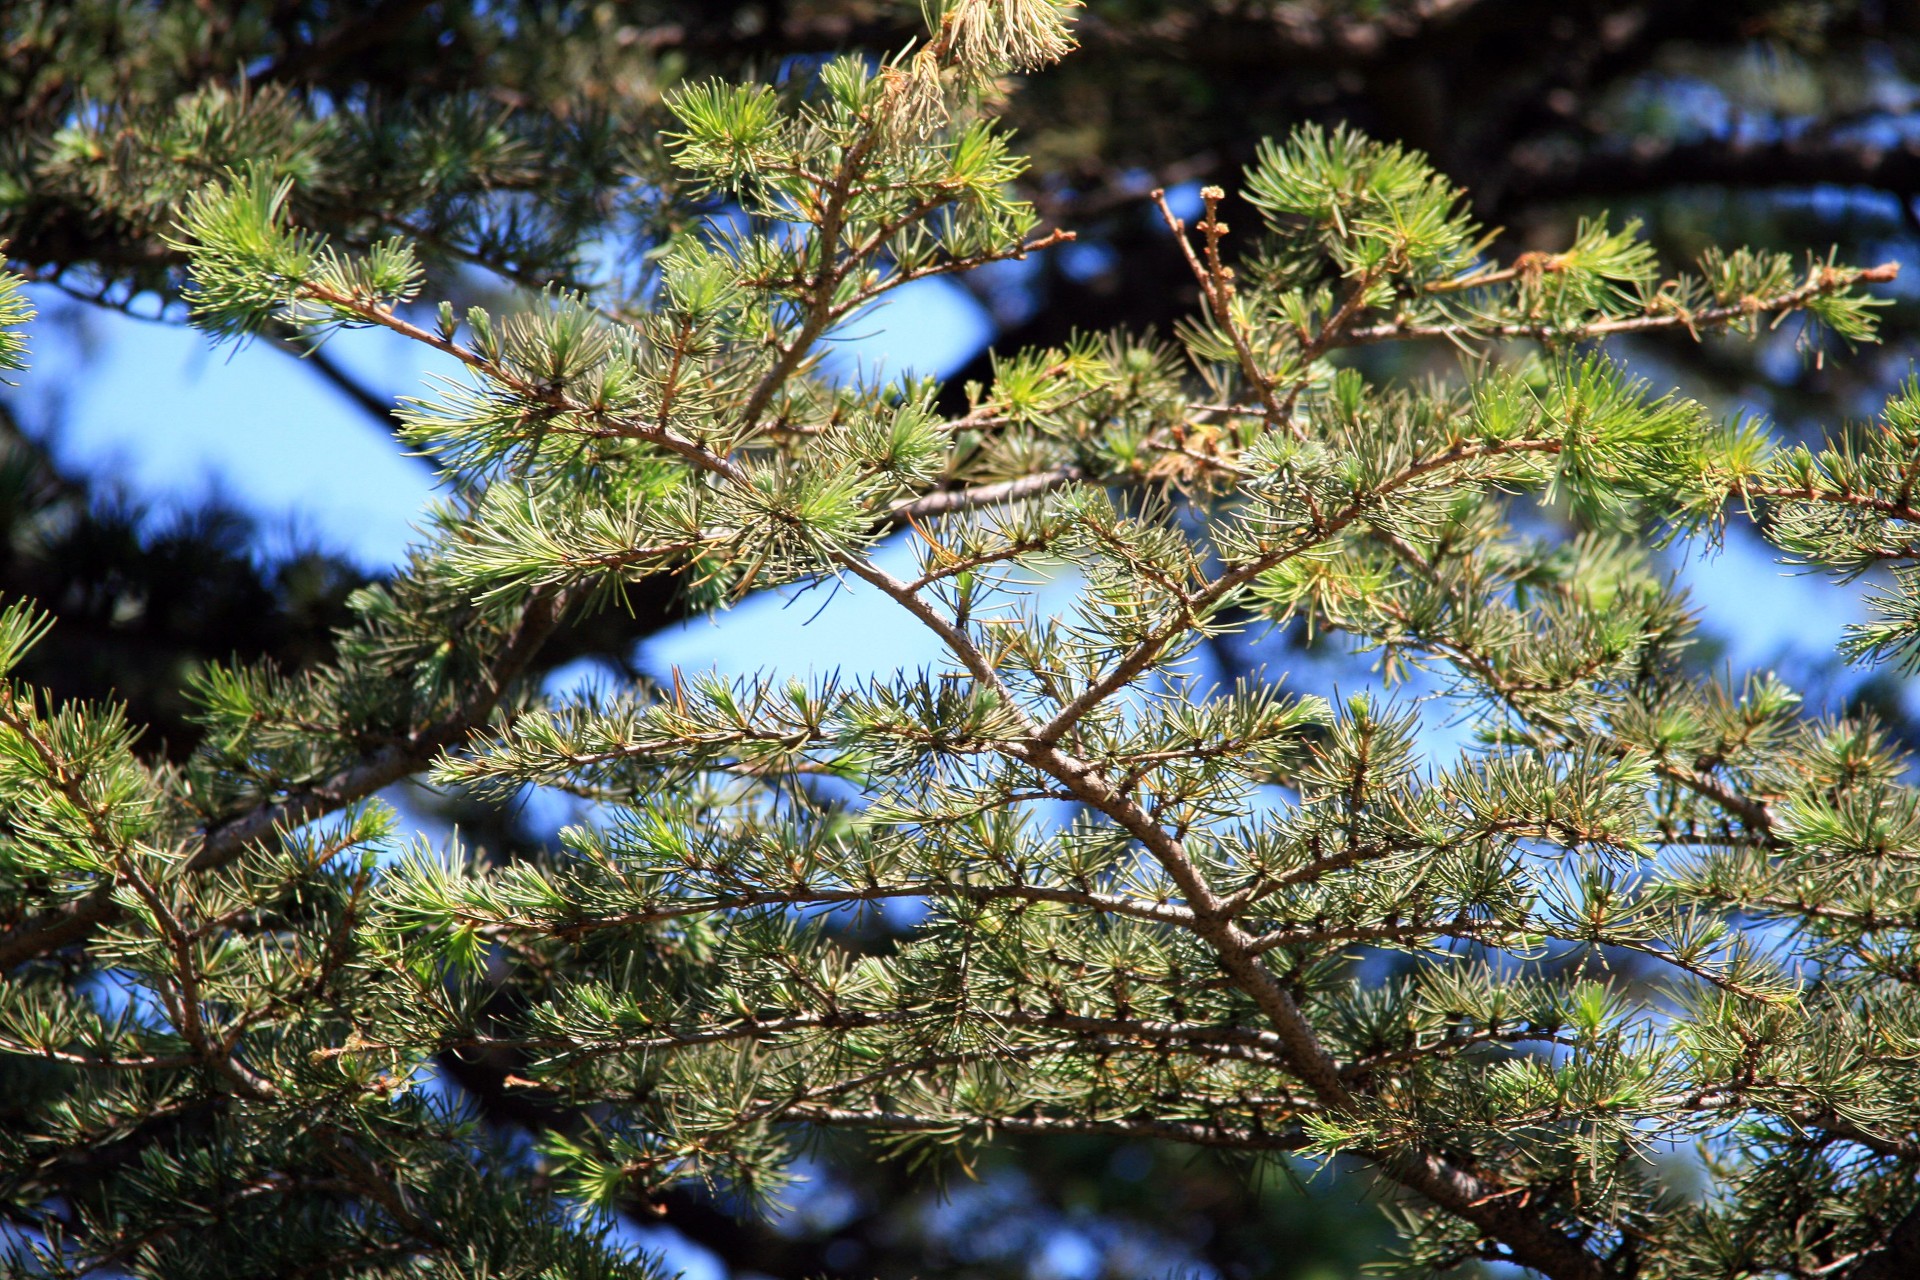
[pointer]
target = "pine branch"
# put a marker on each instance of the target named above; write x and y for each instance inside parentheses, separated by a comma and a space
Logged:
(1822, 282)
(1325, 530)
(1192, 1134)
(226, 839)
(684, 907)
(1173, 962)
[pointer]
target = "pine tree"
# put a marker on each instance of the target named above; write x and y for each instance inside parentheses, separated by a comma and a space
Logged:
(1645, 910)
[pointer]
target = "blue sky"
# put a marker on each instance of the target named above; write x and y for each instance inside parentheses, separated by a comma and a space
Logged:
(173, 418)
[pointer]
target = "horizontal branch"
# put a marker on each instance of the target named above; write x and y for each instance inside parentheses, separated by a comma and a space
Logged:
(1824, 281)
(1248, 1044)
(949, 501)
(96, 1062)
(1139, 909)
(1167, 1130)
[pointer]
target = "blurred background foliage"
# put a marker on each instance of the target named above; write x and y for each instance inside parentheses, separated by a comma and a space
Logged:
(515, 142)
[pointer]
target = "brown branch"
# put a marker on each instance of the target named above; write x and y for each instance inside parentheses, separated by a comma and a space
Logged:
(1169, 1130)
(95, 1062)
(1100, 903)
(949, 501)
(550, 397)
(1823, 281)
(1216, 286)
(1898, 509)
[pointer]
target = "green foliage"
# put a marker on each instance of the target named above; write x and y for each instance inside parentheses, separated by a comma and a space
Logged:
(1368, 208)
(15, 312)
(252, 269)
(1643, 908)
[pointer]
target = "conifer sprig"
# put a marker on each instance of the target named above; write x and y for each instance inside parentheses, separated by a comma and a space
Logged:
(1565, 976)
